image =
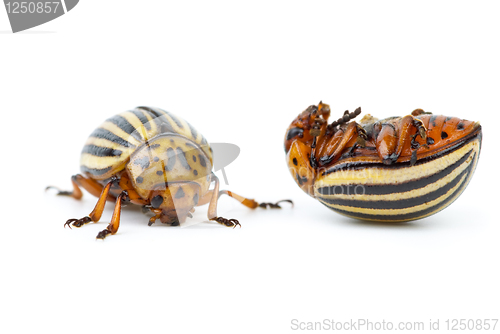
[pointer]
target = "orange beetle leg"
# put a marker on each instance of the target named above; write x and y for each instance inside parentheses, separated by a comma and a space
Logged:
(96, 214)
(390, 148)
(112, 228)
(386, 143)
(319, 127)
(212, 208)
(157, 214)
(92, 186)
(213, 195)
(351, 132)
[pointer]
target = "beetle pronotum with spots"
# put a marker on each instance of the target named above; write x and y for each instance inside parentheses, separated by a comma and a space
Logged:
(150, 157)
(391, 170)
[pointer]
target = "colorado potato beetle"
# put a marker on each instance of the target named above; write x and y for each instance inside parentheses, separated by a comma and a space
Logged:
(150, 157)
(391, 170)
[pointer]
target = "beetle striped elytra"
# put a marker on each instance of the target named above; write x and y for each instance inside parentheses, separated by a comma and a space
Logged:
(150, 157)
(392, 170)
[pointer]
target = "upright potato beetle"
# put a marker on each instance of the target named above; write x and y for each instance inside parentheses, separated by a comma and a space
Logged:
(392, 170)
(150, 157)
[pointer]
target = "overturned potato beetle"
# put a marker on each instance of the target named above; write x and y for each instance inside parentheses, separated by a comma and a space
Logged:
(150, 157)
(392, 170)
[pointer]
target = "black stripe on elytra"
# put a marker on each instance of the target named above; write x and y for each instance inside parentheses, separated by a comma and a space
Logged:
(170, 159)
(144, 120)
(159, 118)
(166, 127)
(408, 216)
(154, 113)
(175, 119)
(106, 134)
(123, 124)
(385, 189)
(402, 203)
(182, 158)
(99, 151)
(159, 113)
(194, 133)
(95, 171)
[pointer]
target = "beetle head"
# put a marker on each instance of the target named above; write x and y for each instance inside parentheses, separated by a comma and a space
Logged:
(305, 126)
(176, 200)
(299, 138)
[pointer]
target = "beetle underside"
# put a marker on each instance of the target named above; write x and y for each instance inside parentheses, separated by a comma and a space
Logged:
(395, 169)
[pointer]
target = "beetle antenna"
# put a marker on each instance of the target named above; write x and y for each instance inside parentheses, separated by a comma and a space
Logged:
(347, 117)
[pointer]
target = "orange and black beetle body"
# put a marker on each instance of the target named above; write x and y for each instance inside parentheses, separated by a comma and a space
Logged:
(149, 157)
(392, 170)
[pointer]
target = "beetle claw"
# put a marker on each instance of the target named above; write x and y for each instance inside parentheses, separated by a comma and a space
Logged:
(59, 191)
(274, 205)
(103, 234)
(77, 222)
(227, 222)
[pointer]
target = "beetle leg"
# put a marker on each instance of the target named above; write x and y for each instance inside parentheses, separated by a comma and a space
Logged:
(313, 161)
(350, 132)
(112, 228)
(76, 193)
(252, 204)
(386, 143)
(346, 117)
(351, 151)
(157, 214)
(92, 186)
(227, 222)
(213, 196)
(133, 195)
(96, 214)
(212, 208)
(390, 144)
(146, 209)
(318, 129)
(417, 112)
(274, 205)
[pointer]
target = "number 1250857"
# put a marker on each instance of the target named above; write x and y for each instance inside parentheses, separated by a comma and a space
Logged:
(471, 324)
(24, 7)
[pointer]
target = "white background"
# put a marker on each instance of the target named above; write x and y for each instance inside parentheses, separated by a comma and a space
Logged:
(240, 73)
